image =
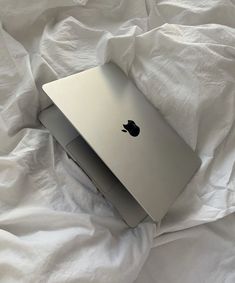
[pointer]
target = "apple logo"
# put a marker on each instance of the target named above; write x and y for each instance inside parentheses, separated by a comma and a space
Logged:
(131, 128)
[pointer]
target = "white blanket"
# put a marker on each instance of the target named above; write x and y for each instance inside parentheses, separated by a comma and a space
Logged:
(201, 254)
(54, 225)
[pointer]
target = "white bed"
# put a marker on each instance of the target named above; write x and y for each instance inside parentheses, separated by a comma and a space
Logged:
(205, 253)
(54, 226)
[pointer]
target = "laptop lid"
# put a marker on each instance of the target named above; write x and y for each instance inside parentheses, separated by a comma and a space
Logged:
(76, 147)
(128, 134)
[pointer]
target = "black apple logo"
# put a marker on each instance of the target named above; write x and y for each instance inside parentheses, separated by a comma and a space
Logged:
(131, 128)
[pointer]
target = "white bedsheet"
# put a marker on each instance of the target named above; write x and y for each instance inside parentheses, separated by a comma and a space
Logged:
(54, 225)
(205, 253)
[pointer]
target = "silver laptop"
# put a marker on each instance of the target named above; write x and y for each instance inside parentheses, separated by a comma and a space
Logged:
(120, 140)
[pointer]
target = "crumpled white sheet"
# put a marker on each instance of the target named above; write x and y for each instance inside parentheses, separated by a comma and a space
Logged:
(55, 227)
(205, 253)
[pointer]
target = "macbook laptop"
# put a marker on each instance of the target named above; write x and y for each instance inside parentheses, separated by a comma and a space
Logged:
(121, 141)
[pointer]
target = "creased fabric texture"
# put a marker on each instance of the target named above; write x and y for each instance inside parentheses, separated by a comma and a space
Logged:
(55, 227)
(204, 253)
